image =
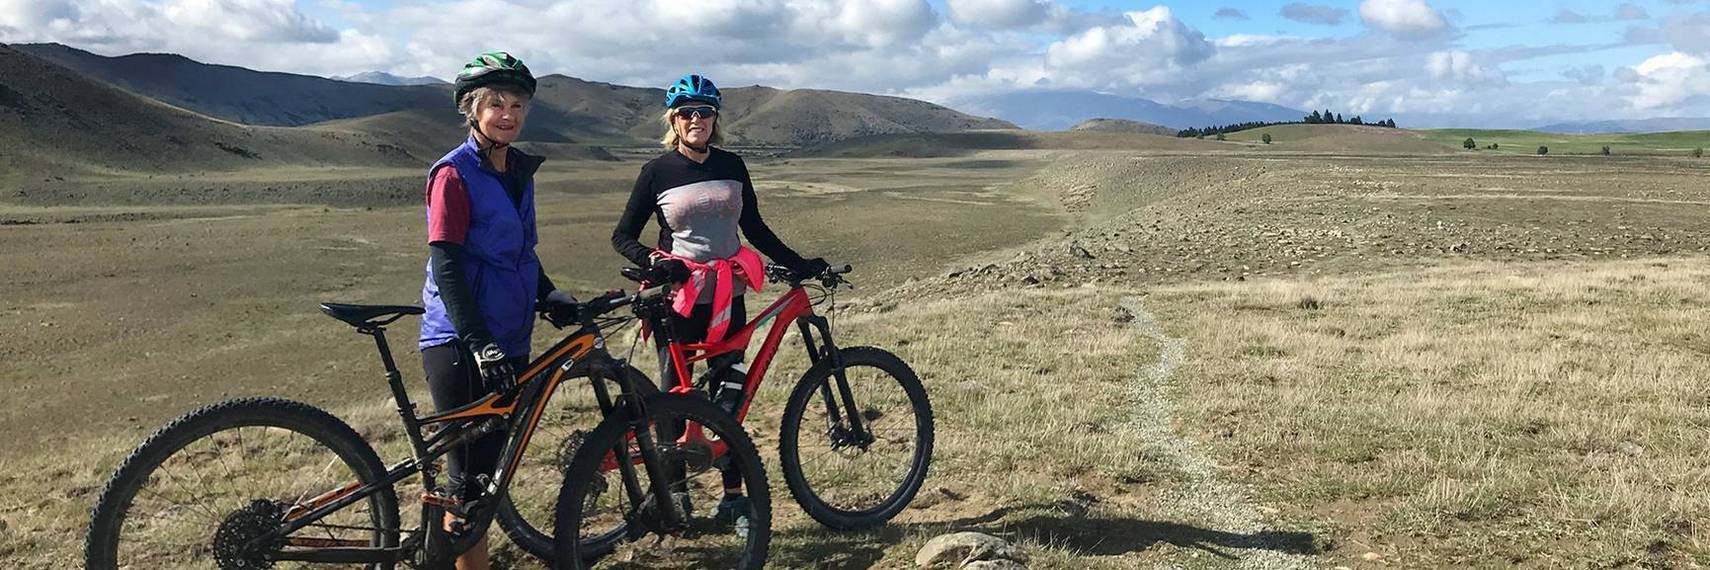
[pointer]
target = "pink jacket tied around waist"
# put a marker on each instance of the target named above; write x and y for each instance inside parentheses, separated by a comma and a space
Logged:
(723, 274)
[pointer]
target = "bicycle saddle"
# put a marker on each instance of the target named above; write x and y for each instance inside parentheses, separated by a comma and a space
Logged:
(365, 316)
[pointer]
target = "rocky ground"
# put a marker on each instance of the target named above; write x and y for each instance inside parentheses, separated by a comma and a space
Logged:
(1182, 218)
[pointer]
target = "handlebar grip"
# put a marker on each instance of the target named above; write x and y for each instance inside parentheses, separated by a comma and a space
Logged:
(635, 274)
(841, 270)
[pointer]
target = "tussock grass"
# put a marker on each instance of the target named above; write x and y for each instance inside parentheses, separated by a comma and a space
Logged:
(1550, 414)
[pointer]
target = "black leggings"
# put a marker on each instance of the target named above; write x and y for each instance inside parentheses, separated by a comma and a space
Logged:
(455, 381)
(693, 328)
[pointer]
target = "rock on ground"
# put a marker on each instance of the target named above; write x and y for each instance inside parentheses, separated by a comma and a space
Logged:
(963, 549)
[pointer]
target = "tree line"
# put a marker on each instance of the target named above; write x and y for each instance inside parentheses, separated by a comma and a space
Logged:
(1316, 118)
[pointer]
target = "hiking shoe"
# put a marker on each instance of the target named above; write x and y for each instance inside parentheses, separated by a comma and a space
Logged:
(734, 510)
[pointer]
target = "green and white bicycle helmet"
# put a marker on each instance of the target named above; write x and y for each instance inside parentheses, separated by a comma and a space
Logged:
(494, 68)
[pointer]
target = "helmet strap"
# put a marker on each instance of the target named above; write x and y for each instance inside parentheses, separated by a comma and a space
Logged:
(485, 143)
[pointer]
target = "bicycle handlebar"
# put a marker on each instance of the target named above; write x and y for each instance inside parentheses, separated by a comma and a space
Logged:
(605, 303)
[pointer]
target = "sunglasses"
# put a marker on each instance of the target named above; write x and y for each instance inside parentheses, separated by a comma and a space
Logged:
(691, 112)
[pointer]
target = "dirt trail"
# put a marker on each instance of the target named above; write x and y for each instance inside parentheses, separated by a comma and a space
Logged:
(1200, 495)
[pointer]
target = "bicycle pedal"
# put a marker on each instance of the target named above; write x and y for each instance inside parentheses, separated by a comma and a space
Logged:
(442, 501)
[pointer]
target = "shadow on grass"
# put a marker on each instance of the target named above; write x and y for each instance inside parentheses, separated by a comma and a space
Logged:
(1058, 526)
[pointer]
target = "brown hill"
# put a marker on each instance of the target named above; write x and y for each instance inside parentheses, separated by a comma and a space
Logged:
(567, 109)
(762, 115)
(55, 120)
(242, 95)
(1123, 126)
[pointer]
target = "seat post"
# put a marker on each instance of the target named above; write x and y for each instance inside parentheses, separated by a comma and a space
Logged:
(393, 378)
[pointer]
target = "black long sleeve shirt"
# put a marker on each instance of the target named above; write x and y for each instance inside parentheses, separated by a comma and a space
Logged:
(699, 207)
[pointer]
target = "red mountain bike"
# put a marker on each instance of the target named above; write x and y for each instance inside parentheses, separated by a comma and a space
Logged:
(857, 429)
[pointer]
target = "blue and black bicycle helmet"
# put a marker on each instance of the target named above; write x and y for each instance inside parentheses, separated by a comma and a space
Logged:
(692, 88)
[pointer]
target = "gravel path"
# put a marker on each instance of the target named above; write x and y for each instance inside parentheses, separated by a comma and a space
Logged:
(1201, 496)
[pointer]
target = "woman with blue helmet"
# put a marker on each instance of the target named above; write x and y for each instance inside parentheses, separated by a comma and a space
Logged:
(701, 196)
(483, 279)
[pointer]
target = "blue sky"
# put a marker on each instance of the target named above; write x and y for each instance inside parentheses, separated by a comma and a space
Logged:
(1508, 63)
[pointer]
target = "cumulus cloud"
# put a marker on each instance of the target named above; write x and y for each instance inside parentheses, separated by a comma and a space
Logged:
(1229, 14)
(1407, 19)
(1670, 79)
(1461, 67)
(1314, 13)
(271, 34)
(999, 13)
(1151, 42)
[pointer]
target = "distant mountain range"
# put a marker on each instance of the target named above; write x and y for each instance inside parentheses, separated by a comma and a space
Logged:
(383, 78)
(54, 121)
(1630, 126)
(1059, 110)
(241, 95)
(566, 109)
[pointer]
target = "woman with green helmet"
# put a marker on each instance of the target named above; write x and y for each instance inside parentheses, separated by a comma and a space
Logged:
(483, 278)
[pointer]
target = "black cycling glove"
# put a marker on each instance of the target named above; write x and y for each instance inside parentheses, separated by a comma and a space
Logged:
(670, 270)
(495, 365)
(810, 268)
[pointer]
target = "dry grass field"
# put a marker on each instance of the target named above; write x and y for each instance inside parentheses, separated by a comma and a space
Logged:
(1153, 353)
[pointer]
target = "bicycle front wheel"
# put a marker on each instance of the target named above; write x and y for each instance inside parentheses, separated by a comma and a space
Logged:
(571, 413)
(847, 477)
(603, 492)
(205, 491)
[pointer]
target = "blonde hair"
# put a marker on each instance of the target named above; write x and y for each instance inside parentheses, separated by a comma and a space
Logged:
(479, 96)
(670, 140)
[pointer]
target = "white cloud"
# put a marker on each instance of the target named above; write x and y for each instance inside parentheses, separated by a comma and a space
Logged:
(1410, 62)
(269, 34)
(246, 20)
(1262, 91)
(1670, 79)
(1628, 11)
(1409, 19)
(1687, 33)
(1461, 67)
(1151, 41)
(999, 13)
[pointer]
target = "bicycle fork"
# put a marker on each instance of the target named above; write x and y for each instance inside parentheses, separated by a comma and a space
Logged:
(856, 427)
(658, 486)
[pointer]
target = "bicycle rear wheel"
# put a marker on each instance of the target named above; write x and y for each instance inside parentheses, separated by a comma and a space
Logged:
(842, 479)
(596, 497)
(202, 490)
(571, 414)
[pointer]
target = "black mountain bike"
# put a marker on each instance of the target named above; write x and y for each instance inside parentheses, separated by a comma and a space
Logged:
(266, 482)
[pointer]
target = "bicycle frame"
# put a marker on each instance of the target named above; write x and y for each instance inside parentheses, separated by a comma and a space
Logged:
(793, 307)
(582, 351)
